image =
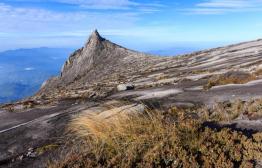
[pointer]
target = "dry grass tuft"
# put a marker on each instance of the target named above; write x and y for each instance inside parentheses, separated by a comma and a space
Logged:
(228, 111)
(46, 148)
(232, 77)
(175, 138)
(258, 72)
(201, 71)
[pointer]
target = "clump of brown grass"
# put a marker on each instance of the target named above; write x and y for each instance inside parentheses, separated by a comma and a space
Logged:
(258, 72)
(228, 111)
(200, 71)
(232, 77)
(46, 148)
(157, 139)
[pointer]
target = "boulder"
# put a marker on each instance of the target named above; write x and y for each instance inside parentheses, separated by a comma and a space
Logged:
(124, 87)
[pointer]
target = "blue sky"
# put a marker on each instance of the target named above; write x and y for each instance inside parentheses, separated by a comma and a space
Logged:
(137, 24)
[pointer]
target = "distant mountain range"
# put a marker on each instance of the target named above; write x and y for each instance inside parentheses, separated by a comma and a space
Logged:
(23, 71)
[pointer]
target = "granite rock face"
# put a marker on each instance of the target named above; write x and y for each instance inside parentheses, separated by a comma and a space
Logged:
(97, 69)
(99, 59)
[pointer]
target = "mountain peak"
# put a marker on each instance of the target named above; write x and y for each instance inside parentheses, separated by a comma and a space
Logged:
(95, 38)
(95, 33)
(95, 61)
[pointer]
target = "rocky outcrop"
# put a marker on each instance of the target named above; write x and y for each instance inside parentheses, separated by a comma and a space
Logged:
(123, 87)
(99, 59)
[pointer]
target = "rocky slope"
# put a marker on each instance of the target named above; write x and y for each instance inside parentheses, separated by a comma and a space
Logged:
(103, 78)
(96, 70)
(99, 61)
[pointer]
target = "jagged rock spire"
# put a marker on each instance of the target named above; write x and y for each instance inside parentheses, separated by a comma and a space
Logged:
(96, 60)
(95, 34)
(95, 38)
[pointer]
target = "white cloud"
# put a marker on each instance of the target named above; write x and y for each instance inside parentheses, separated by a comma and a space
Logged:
(29, 69)
(31, 14)
(45, 22)
(104, 4)
(25, 20)
(225, 6)
(33, 27)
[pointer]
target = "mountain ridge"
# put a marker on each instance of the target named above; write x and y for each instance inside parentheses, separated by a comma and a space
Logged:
(101, 62)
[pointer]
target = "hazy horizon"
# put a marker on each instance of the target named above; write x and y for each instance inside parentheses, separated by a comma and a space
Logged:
(147, 48)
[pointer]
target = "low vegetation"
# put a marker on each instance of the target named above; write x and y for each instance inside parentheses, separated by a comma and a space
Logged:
(228, 111)
(174, 138)
(46, 148)
(201, 71)
(258, 72)
(232, 77)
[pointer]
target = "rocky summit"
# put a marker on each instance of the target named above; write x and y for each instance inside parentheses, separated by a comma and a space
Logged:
(104, 79)
(99, 61)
